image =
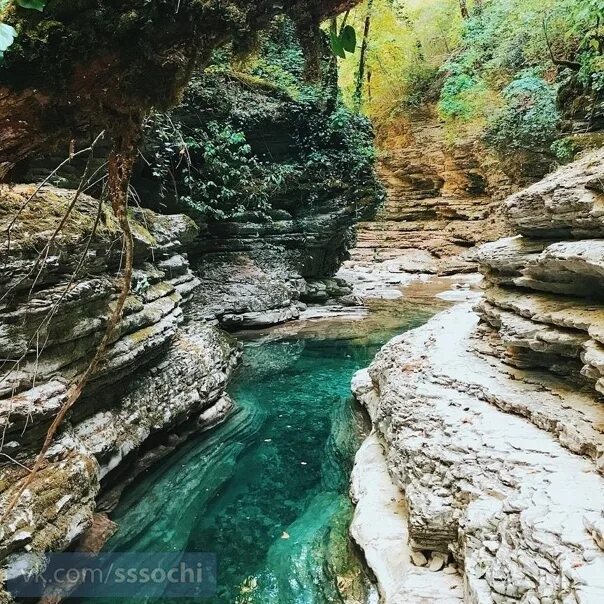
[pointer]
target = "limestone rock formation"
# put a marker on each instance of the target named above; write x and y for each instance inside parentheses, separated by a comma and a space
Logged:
(167, 380)
(279, 213)
(544, 288)
(255, 267)
(438, 204)
(500, 469)
(491, 420)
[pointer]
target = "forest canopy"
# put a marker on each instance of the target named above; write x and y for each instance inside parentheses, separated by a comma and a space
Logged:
(492, 66)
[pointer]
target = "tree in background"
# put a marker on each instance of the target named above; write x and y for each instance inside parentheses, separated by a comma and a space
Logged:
(512, 73)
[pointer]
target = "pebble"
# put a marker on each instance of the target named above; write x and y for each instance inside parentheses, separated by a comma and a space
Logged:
(418, 558)
(437, 561)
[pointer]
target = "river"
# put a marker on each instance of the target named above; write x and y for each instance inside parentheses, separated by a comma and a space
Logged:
(267, 490)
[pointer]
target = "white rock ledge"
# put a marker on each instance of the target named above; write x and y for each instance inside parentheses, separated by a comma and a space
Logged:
(379, 527)
(487, 461)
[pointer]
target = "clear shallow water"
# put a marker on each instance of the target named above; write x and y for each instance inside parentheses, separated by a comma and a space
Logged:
(267, 491)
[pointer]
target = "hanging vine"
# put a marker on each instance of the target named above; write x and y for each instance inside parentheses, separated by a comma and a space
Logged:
(121, 161)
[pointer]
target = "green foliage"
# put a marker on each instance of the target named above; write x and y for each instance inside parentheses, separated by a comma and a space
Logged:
(513, 59)
(209, 155)
(408, 42)
(33, 4)
(342, 41)
(421, 80)
(564, 149)
(278, 61)
(457, 96)
(7, 32)
(261, 140)
(348, 38)
(211, 166)
(529, 118)
(335, 149)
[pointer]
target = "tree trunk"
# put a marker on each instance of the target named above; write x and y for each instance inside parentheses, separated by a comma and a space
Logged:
(360, 79)
(463, 5)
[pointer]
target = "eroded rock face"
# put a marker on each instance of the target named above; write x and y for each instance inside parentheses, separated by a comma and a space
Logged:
(490, 463)
(438, 204)
(160, 381)
(491, 415)
(567, 204)
(544, 296)
(255, 266)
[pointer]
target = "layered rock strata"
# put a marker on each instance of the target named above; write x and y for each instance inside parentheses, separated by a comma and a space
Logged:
(160, 380)
(438, 205)
(255, 267)
(257, 261)
(544, 298)
(490, 417)
(500, 470)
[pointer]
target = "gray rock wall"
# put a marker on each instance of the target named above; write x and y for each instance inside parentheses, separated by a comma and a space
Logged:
(161, 379)
(545, 287)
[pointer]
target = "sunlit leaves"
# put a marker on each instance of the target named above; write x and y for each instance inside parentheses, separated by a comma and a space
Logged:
(33, 4)
(343, 41)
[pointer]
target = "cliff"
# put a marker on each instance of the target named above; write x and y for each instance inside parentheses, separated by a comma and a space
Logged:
(161, 379)
(275, 179)
(490, 421)
(313, 166)
(441, 202)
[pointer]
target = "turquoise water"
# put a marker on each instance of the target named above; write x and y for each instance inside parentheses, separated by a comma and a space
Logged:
(267, 491)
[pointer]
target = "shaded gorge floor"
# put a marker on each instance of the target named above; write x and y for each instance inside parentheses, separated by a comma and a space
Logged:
(267, 490)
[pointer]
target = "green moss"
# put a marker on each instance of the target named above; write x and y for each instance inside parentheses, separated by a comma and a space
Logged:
(140, 232)
(110, 61)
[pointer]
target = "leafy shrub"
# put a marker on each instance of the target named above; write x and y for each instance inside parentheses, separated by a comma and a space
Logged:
(456, 96)
(564, 149)
(529, 118)
(210, 155)
(420, 81)
(210, 168)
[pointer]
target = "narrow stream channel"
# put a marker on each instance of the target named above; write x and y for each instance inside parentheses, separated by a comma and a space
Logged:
(267, 491)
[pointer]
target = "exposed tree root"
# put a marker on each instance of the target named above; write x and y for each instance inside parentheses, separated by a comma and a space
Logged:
(121, 161)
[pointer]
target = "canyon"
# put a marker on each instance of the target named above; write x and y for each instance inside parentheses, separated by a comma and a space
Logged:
(481, 418)
(448, 256)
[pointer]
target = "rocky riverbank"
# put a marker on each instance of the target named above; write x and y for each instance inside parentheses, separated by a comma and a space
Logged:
(161, 380)
(490, 421)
